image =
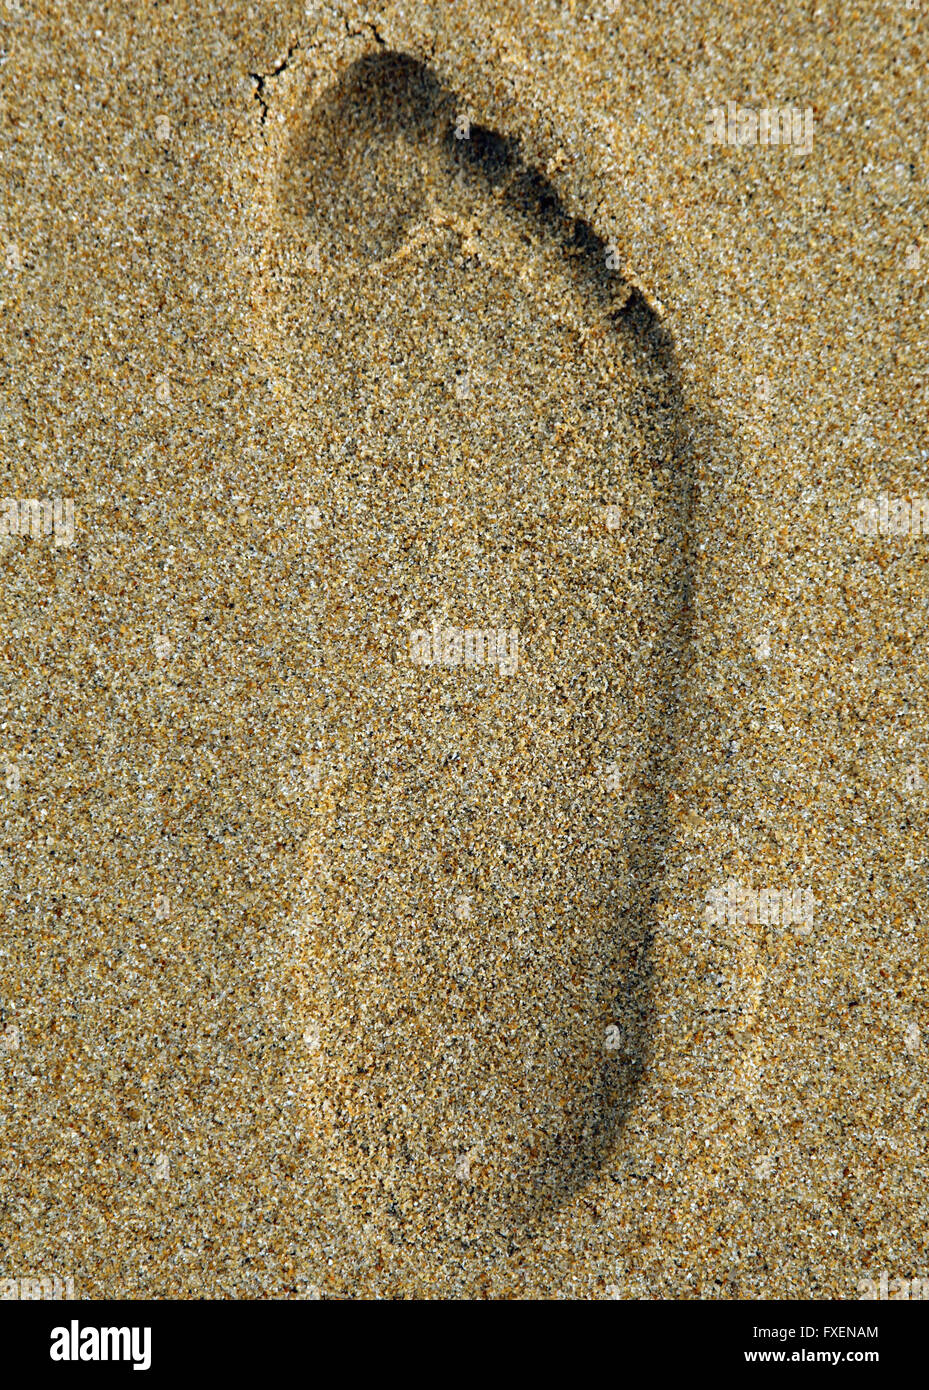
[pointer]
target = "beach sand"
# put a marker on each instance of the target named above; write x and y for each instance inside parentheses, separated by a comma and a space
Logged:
(465, 619)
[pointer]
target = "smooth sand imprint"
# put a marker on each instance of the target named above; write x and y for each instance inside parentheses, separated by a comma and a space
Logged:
(476, 387)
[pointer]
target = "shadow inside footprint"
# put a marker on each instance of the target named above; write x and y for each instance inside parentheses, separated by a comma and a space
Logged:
(499, 447)
(352, 174)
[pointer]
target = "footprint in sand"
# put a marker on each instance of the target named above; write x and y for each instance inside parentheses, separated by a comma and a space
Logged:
(491, 428)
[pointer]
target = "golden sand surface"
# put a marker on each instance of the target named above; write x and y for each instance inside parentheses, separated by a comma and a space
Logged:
(465, 761)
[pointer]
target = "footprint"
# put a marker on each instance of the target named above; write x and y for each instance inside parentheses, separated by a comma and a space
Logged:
(493, 438)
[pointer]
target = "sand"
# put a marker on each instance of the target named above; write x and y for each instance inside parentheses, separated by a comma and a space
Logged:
(465, 619)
